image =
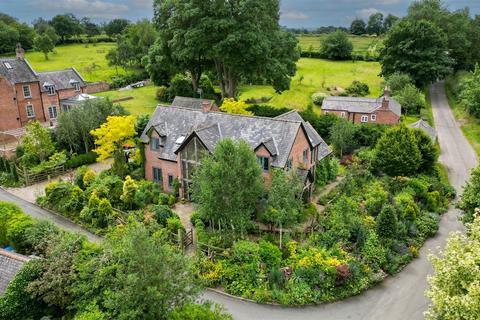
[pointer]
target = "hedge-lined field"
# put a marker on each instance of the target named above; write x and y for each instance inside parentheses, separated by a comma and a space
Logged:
(360, 44)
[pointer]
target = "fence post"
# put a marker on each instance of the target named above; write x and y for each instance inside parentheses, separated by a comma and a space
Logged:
(180, 239)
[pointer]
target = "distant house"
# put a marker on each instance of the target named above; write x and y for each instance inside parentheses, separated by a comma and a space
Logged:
(383, 110)
(10, 264)
(194, 103)
(425, 127)
(27, 95)
(175, 138)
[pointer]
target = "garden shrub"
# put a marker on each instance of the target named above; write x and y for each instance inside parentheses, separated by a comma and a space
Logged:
(261, 110)
(63, 197)
(172, 200)
(174, 224)
(163, 198)
(108, 186)
(78, 177)
(387, 222)
(427, 225)
(203, 311)
(375, 198)
(16, 231)
(373, 252)
(358, 89)
(161, 94)
(148, 193)
(88, 178)
(162, 213)
(244, 251)
(79, 160)
(270, 254)
(318, 97)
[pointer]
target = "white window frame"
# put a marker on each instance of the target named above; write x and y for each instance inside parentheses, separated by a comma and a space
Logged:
(29, 92)
(76, 85)
(66, 107)
(54, 114)
(51, 90)
(364, 119)
(343, 114)
(373, 117)
(30, 113)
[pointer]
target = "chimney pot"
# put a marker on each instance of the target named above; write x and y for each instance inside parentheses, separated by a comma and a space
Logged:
(386, 92)
(20, 52)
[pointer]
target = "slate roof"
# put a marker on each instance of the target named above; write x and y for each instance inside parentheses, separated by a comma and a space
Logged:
(191, 103)
(10, 264)
(315, 138)
(424, 126)
(62, 79)
(177, 124)
(20, 71)
(359, 105)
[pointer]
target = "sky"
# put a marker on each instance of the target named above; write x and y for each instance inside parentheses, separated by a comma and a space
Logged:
(294, 13)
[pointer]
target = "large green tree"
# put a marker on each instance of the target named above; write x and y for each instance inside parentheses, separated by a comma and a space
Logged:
(341, 136)
(470, 93)
(44, 44)
(358, 27)
(396, 152)
(375, 24)
(227, 185)
(135, 275)
(337, 46)
(416, 48)
(470, 200)
(234, 39)
(66, 26)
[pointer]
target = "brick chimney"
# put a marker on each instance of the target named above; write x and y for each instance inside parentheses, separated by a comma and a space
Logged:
(20, 52)
(386, 98)
(206, 106)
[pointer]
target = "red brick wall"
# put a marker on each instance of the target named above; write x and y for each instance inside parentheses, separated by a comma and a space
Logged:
(263, 152)
(8, 106)
(383, 116)
(35, 100)
(296, 154)
(50, 100)
(95, 87)
(68, 93)
(168, 167)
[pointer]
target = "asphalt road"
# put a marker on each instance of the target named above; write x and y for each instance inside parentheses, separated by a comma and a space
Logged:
(37, 212)
(400, 297)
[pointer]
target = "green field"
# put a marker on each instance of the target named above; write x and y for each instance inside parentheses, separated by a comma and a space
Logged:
(318, 75)
(360, 44)
(143, 102)
(90, 61)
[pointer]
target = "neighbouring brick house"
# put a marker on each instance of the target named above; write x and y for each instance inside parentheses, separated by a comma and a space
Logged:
(27, 95)
(10, 264)
(176, 137)
(383, 110)
(425, 127)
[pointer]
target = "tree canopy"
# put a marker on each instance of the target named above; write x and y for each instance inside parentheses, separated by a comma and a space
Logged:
(418, 49)
(235, 40)
(358, 27)
(337, 46)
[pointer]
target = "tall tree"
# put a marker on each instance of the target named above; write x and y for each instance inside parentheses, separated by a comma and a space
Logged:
(416, 48)
(227, 185)
(358, 27)
(44, 44)
(66, 25)
(90, 28)
(375, 24)
(116, 27)
(236, 39)
(341, 136)
(389, 21)
(37, 141)
(337, 46)
(8, 37)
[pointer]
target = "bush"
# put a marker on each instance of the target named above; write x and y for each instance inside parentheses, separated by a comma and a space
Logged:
(358, 89)
(76, 161)
(148, 193)
(270, 254)
(373, 252)
(244, 252)
(397, 81)
(180, 85)
(337, 46)
(203, 311)
(266, 111)
(411, 99)
(387, 222)
(162, 213)
(318, 97)
(427, 225)
(107, 185)
(64, 198)
(163, 198)
(161, 93)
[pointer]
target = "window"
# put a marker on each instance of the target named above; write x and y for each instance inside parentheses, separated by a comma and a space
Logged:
(170, 180)
(364, 119)
(374, 117)
(66, 107)
(52, 112)
(7, 65)
(342, 114)
(154, 144)
(30, 111)
(305, 156)
(51, 90)
(263, 161)
(289, 164)
(26, 92)
(157, 175)
(76, 85)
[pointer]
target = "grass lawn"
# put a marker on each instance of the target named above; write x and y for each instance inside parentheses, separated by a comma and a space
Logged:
(143, 102)
(360, 44)
(318, 75)
(469, 124)
(90, 62)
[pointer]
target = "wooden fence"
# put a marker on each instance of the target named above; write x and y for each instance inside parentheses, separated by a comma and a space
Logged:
(30, 178)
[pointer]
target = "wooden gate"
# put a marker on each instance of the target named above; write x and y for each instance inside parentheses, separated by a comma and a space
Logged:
(187, 239)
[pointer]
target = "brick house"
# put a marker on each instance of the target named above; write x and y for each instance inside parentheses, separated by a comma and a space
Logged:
(27, 95)
(176, 137)
(383, 110)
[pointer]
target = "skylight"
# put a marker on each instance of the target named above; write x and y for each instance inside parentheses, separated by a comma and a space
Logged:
(180, 140)
(7, 65)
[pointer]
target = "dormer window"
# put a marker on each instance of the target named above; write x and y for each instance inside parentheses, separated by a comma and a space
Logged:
(51, 90)
(75, 84)
(8, 65)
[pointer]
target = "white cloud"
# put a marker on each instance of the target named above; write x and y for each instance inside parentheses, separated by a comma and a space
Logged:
(91, 8)
(365, 13)
(294, 15)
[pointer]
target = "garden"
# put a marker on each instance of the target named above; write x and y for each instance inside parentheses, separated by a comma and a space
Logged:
(368, 227)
